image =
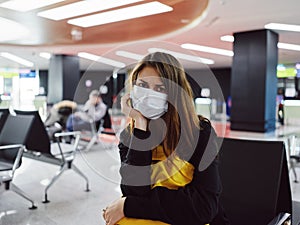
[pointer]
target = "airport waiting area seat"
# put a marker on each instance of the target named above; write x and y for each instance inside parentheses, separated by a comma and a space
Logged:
(59, 152)
(92, 136)
(12, 140)
(255, 179)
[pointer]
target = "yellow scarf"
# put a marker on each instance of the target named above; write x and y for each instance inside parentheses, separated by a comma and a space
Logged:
(171, 172)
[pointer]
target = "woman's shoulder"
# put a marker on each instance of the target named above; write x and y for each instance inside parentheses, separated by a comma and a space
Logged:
(125, 135)
(206, 148)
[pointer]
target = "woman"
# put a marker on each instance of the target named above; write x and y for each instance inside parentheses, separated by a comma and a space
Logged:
(169, 171)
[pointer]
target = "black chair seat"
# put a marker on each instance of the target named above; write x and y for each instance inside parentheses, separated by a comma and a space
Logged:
(39, 147)
(4, 166)
(12, 139)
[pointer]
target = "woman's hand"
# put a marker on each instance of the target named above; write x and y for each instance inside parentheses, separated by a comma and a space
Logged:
(140, 121)
(114, 212)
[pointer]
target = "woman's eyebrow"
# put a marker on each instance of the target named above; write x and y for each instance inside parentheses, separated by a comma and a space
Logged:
(142, 80)
(145, 82)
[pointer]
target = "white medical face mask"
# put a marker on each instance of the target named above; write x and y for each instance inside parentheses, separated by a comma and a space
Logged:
(151, 104)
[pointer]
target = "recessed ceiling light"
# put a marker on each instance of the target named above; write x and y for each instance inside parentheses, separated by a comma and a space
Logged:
(129, 55)
(280, 45)
(228, 38)
(11, 30)
(101, 59)
(131, 12)
(45, 55)
(281, 26)
(16, 59)
(288, 46)
(82, 7)
(183, 56)
(201, 48)
(27, 5)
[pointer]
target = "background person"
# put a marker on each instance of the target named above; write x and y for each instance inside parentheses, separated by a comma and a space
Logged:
(93, 111)
(164, 177)
(60, 112)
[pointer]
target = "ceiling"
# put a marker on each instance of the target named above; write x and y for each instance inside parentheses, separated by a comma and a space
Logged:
(200, 22)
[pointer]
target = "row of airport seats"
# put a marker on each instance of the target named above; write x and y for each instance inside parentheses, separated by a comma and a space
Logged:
(254, 174)
(58, 116)
(24, 134)
(92, 136)
(12, 140)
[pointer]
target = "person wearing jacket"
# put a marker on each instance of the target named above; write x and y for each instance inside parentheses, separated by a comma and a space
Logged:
(93, 111)
(169, 164)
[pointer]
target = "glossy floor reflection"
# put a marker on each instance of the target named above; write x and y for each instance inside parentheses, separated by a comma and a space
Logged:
(69, 203)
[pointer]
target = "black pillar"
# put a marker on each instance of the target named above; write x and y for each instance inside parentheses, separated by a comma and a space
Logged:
(63, 78)
(254, 81)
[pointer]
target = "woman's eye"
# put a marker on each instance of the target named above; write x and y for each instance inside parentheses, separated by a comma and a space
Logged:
(161, 89)
(142, 85)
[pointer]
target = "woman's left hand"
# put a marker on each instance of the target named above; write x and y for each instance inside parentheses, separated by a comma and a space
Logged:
(114, 212)
(140, 121)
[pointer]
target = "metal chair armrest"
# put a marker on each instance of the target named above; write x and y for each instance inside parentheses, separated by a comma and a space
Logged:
(281, 219)
(76, 134)
(64, 134)
(18, 157)
(11, 146)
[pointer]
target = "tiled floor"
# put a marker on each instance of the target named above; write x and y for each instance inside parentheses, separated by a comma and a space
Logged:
(69, 203)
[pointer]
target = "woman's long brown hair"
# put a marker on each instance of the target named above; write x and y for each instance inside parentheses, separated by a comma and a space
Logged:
(181, 118)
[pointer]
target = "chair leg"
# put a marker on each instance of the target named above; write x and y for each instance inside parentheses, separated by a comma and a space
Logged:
(22, 194)
(292, 163)
(81, 174)
(57, 175)
(93, 140)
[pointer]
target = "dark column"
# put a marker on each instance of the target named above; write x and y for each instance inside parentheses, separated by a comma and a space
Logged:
(254, 81)
(63, 78)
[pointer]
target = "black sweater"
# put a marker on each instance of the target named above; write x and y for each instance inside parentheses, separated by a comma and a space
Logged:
(195, 203)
